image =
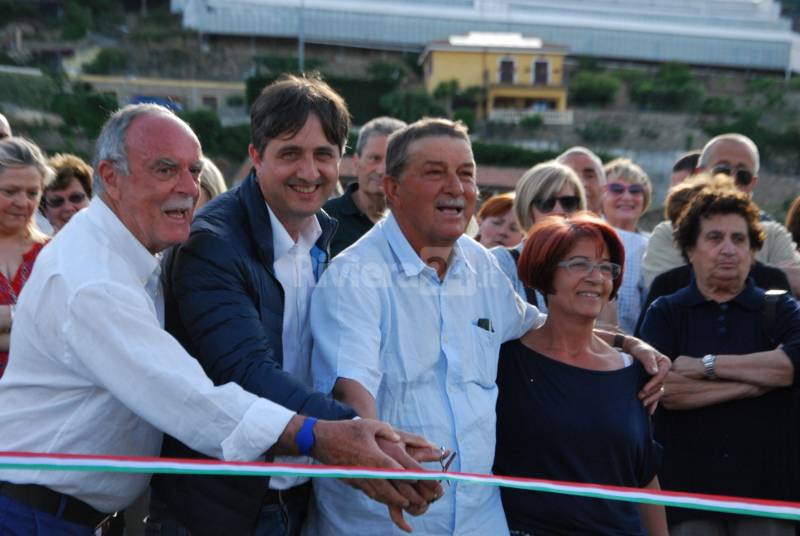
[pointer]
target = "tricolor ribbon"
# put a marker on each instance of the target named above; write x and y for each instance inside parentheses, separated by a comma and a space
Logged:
(123, 464)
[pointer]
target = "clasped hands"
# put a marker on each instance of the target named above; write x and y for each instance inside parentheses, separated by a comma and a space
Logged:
(375, 444)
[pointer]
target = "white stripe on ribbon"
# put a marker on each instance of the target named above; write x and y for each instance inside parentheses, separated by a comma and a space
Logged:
(78, 462)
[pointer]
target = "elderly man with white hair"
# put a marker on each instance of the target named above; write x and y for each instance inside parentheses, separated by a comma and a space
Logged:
(93, 371)
(735, 155)
(589, 168)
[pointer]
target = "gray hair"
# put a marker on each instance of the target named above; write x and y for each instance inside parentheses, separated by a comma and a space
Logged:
(110, 144)
(626, 170)
(5, 128)
(380, 126)
(541, 182)
(211, 179)
(708, 149)
(17, 152)
(428, 127)
(578, 150)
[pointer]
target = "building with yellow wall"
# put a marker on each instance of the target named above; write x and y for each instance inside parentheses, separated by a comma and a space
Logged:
(519, 75)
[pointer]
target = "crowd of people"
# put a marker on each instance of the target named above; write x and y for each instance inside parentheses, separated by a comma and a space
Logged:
(401, 324)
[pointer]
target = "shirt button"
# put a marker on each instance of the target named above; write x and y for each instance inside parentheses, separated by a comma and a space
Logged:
(724, 306)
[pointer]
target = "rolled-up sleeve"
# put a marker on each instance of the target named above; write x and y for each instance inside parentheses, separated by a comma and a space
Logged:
(125, 351)
(346, 318)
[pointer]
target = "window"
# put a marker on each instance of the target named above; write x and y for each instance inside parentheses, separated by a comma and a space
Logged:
(506, 74)
(541, 73)
(210, 103)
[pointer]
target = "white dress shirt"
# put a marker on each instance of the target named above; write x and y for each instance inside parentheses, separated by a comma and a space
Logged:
(427, 350)
(91, 370)
(295, 272)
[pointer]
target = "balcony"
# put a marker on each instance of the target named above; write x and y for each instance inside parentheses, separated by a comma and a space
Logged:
(549, 117)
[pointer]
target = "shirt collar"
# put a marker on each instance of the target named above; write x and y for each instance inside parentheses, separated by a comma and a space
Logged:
(348, 206)
(751, 297)
(281, 240)
(144, 264)
(408, 259)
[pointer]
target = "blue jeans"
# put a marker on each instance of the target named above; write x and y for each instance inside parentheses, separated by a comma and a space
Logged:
(284, 518)
(17, 519)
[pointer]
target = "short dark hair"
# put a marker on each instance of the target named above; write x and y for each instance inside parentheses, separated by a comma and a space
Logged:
(549, 241)
(68, 167)
(283, 107)
(686, 162)
(427, 127)
(713, 201)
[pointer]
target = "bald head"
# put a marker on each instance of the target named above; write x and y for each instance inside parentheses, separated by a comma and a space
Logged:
(735, 155)
(5, 127)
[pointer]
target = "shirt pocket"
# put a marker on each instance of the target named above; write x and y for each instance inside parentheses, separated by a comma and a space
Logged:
(480, 363)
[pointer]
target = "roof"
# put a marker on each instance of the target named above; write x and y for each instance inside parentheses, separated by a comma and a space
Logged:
(504, 42)
(749, 34)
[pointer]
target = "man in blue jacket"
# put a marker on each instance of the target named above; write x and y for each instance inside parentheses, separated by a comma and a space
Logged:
(237, 298)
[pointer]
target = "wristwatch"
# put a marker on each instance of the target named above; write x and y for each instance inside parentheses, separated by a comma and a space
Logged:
(708, 366)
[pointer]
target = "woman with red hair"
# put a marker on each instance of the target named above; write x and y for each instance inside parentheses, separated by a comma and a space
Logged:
(497, 224)
(568, 407)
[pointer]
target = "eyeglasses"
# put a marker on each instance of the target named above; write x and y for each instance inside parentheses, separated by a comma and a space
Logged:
(58, 201)
(741, 176)
(583, 267)
(569, 203)
(618, 188)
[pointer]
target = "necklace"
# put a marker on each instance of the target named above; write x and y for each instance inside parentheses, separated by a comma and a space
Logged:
(23, 276)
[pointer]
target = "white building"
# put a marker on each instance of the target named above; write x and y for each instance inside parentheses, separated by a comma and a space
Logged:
(746, 34)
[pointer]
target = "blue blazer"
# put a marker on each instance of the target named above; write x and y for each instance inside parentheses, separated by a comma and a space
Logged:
(225, 306)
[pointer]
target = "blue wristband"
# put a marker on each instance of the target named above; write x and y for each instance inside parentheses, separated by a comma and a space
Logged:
(305, 437)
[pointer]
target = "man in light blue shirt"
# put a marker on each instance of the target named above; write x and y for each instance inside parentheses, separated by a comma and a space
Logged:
(407, 326)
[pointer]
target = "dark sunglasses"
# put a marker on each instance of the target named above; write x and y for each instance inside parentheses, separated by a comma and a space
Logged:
(58, 201)
(741, 176)
(618, 188)
(569, 203)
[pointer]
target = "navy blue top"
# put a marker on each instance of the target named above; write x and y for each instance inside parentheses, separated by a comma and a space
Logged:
(353, 224)
(744, 447)
(559, 422)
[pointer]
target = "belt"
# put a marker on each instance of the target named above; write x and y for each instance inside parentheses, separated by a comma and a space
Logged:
(54, 503)
(295, 494)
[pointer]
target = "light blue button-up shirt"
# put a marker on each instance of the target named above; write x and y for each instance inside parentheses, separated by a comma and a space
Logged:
(633, 290)
(421, 347)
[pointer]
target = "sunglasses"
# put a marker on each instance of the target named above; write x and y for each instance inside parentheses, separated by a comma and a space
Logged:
(618, 188)
(569, 203)
(58, 201)
(741, 176)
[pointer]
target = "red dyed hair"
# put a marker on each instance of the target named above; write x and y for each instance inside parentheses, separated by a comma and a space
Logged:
(550, 240)
(497, 205)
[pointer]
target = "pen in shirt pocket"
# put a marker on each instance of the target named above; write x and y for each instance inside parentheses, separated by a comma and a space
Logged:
(486, 323)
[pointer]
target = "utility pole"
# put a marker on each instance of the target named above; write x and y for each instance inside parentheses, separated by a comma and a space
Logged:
(301, 38)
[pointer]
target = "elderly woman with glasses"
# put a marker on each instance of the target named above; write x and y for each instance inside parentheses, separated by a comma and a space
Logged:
(568, 407)
(728, 421)
(69, 190)
(23, 171)
(626, 196)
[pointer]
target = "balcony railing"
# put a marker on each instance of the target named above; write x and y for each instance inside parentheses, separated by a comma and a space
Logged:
(549, 117)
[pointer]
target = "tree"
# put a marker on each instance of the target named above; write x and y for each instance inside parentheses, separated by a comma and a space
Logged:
(445, 92)
(593, 89)
(410, 105)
